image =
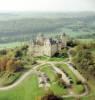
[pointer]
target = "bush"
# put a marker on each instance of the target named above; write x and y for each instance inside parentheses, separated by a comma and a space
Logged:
(51, 97)
(79, 82)
(3, 52)
(18, 53)
(14, 65)
(10, 64)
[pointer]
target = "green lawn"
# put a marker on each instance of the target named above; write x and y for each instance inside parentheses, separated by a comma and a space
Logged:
(41, 58)
(46, 58)
(78, 89)
(65, 68)
(26, 90)
(49, 71)
(55, 87)
(7, 78)
(57, 59)
(58, 90)
(29, 90)
(91, 95)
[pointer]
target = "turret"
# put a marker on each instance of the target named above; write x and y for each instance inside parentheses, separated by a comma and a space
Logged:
(47, 42)
(47, 47)
(40, 39)
(63, 39)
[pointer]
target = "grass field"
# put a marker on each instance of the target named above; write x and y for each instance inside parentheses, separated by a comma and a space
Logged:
(26, 90)
(65, 68)
(6, 78)
(76, 88)
(46, 58)
(55, 87)
(50, 72)
(91, 84)
(58, 90)
(11, 45)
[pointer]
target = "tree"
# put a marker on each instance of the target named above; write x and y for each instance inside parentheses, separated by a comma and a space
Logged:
(51, 97)
(84, 59)
(13, 65)
(3, 62)
(10, 64)
(18, 53)
(72, 43)
(3, 52)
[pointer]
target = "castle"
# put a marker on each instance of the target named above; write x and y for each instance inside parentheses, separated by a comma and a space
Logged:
(47, 46)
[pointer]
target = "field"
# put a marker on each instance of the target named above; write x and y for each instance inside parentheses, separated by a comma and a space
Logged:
(77, 88)
(8, 79)
(65, 68)
(45, 58)
(23, 27)
(25, 90)
(55, 87)
(11, 45)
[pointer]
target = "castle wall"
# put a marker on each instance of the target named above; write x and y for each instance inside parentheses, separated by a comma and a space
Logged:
(47, 50)
(54, 49)
(50, 50)
(64, 42)
(37, 50)
(60, 47)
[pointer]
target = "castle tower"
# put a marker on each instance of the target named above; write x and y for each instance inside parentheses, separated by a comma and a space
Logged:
(47, 47)
(63, 39)
(40, 39)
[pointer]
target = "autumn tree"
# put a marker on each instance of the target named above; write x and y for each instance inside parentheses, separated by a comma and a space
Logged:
(13, 65)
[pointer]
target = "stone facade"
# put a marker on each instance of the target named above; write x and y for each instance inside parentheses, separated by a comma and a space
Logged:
(47, 46)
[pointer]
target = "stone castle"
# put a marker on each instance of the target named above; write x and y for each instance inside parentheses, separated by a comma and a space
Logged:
(47, 46)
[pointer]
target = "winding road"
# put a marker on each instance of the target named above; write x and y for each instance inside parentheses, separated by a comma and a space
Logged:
(33, 71)
(58, 70)
(78, 75)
